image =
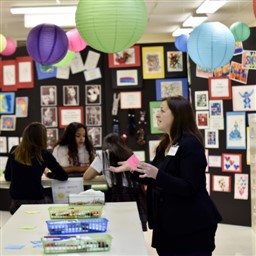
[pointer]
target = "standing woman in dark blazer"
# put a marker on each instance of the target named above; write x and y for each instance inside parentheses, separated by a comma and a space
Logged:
(26, 164)
(180, 211)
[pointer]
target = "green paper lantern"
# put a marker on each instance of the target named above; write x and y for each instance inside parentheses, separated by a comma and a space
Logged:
(66, 60)
(111, 26)
(3, 42)
(240, 30)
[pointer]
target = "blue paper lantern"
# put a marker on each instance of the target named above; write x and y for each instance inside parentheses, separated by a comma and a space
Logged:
(211, 45)
(181, 43)
(240, 30)
(47, 44)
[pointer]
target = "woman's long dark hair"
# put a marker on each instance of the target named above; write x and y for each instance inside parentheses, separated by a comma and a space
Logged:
(32, 144)
(68, 139)
(184, 121)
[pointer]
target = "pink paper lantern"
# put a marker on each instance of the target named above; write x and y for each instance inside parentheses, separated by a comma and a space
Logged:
(10, 47)
(75, 42)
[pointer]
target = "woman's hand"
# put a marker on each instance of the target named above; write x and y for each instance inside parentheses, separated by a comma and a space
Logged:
(123, 166)
(147, 170)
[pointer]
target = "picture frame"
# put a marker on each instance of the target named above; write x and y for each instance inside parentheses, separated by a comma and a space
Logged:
(201, 100)
(202, 119)
(244, 98)
(25, 76)
(49, 116)
(219, 88)
(95, 135)
(21, 107)
(70, 114)
(235, 130)
(214, 161)
(249, 59)
(52, 137)
(216, 109)
(70, 95)
(241, 186)
(211, 137)
(127, 58)
(93, 116)
(45, 72)
(9, 75)
(7, 100)
(130, 100)
(238, 72)
(8, 123)
(93, 94)
(153, 62)
(171, 87)
(221, 183)
(174, 61)
(126, 78)
(48, 95)
(154, 107)
(231, 162)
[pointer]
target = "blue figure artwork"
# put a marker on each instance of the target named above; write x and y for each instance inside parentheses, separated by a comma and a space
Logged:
(216, 109)
(246, 98)
(235, 133)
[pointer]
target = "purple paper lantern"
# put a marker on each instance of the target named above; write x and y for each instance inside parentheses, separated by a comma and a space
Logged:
(47, 44)
(181, 43)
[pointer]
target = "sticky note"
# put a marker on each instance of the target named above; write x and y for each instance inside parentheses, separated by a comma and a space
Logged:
(133, 161)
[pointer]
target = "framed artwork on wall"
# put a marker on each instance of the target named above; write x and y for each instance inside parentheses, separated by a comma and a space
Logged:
(92, 94)
(174, 61)
(70, 114)
(171, 87)
(201, 100)
(152, 145)
(49, 116)
(231, 162)
(126, 78)
(25, 77)
(235, 130)
(95, 134)
(219, 88)
(244, 98)
(48, 95)
(216, 108)
(153, 62)
(70, 95)
(126, 58)
(93, 116)
(9, 75)
(7, 100)
(52, 137)
(45, 72)
(241, 186)
(202, 119)
(221, 183)
(21, 107)
(130, 100)
(8, 123)
(154, 107)
(211, 137)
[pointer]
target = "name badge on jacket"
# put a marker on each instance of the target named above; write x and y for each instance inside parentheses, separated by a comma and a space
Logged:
(173, 150)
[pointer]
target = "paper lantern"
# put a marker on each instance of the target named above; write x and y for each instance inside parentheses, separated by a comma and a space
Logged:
(75, 42)
(211, 45)
(240, 30)
(3, 42)
(181, 43)
(10, 47)
(47, 44)
(66, 60)
(111, 26)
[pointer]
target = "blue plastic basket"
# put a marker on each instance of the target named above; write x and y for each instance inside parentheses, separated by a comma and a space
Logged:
(77, 226)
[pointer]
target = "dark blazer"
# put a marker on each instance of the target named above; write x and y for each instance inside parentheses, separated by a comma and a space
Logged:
(178, 202)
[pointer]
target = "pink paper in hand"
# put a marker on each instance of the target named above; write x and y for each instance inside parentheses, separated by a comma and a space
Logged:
(133, 161)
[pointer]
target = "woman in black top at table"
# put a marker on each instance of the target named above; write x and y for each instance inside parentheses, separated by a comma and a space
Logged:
(26, 164)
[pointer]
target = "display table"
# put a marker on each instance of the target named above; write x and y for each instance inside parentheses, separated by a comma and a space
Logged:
(5, 201)
(28, 226)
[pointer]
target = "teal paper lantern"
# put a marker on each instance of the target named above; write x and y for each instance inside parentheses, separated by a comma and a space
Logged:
(111, 26)
(211, 45)
(240, 30)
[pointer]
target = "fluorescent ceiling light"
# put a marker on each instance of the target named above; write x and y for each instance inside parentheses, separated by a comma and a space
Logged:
(182, 31)
(61, 20)
(194, 21)
(44, 9)
(210, 6)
